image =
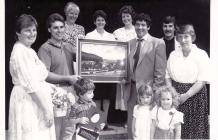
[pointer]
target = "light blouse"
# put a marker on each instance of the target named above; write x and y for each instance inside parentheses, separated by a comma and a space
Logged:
(97, 36)
(166, 119)
(194, 67)
(125, 35)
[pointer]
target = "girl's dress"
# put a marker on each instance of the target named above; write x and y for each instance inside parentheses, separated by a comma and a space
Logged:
(26, 121)
(165, 122)
(142, 122)
(184, 72)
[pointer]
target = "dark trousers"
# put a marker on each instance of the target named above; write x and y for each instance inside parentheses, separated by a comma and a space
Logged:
(131, 103)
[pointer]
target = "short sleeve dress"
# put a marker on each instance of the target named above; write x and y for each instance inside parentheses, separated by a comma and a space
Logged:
(28, 76)
(142, 115)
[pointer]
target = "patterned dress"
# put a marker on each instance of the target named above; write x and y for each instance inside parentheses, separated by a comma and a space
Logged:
(184, 72)
(72, 32)
(26, 119)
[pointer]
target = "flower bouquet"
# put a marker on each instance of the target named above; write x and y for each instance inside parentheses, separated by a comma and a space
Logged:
(60, 100)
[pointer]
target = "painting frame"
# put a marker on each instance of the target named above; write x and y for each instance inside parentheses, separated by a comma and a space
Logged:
(102, 61)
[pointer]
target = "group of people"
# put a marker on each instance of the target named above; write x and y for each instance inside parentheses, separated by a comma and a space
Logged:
(165, 98)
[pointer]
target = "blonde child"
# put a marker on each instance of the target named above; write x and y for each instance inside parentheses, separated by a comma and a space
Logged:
(141, 113)
(166, 120)
(79, 116)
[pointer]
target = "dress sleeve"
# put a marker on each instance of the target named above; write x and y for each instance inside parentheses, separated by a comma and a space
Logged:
(154, 113)
(45, 57)
(24, 66)
(204, 67)
(178, 118)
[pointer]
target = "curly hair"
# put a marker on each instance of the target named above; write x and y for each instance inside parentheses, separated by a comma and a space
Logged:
(83, 85)
(128, 9)
(167, 89)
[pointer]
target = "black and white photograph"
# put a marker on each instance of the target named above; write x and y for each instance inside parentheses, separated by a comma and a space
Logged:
(111, 60)
(149, 68)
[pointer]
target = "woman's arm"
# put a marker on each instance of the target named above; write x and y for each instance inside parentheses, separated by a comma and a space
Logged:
(39, 98)
(56, 78)
(178, 131)
(192, 91)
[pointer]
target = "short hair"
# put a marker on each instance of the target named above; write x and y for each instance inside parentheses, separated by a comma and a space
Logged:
(167, 89)
(70, 5)
(146, 89)
(169, 19)
(99, 13)
(186, 29)
(25, 21)
(54, 17)
(128, 9)
(143, 17)
(83, 85)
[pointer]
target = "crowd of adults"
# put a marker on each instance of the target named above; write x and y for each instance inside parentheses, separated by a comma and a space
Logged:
(173, 60)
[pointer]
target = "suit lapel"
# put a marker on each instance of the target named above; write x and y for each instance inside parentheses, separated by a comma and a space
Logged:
(132, 52)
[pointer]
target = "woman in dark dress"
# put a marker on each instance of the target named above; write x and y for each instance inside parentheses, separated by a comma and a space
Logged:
(187, 72)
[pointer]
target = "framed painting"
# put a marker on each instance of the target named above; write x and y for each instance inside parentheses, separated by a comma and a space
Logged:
(102, 61)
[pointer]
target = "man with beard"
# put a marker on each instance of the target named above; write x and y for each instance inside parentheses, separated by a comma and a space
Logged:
(168, 27)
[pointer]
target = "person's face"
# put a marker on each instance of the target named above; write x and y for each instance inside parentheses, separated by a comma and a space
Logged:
(88, 95)
(144, 100)
(141, 28)
(166, 101)
(57, 30)
(126, 18)
(72, 14)
(168, 30)
(100, 23)
(185, 40)
(28, 35)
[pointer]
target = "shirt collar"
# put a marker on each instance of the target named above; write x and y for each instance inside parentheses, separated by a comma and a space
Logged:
(55, 44)
(145, 37)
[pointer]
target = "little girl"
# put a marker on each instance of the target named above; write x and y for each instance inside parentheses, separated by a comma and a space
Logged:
(141, 113)
(166, 120)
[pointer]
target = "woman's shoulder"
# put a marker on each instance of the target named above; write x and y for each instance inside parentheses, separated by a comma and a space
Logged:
(119, 30)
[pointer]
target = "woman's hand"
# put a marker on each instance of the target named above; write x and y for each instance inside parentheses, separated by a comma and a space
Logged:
(48, 118)
(84, 120)
(73, 78)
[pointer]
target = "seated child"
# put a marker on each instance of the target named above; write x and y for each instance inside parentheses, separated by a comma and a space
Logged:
(80, 115)
(166, 120)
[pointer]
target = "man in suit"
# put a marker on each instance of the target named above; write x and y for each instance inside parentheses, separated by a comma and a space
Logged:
(147, 61)
(169, 27)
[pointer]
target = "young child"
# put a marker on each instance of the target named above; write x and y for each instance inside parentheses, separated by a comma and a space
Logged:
(79, 115)
(166, 120)
(141, 113)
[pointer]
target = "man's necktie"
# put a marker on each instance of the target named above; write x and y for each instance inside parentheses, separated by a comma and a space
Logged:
(137, 53)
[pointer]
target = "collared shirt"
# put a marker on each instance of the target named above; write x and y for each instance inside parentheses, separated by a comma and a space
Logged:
(194, 67)
(123, 34)
(171, 45)
(58, 58)
(97, 36)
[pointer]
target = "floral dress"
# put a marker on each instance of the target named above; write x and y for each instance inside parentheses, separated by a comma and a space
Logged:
(28, 75)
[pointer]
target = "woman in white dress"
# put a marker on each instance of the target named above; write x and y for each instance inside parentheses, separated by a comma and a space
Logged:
(31, 113)
(125, 34)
